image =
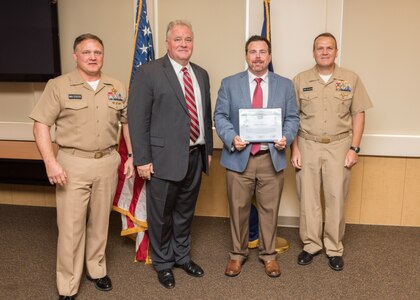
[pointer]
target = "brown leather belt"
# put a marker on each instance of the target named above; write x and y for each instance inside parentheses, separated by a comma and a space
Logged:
(323, 139)
(261, 152)
(88, 154)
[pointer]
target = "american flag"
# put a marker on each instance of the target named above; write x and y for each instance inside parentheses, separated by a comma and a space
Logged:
(130, 198)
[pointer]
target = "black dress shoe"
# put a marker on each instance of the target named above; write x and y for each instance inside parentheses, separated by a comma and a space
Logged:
(103, 284)
(60, 297)
(336, 263)
(166, 278)
(305, 258)
(192, 269)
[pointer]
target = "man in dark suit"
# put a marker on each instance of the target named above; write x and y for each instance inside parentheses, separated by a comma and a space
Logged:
(169, 116)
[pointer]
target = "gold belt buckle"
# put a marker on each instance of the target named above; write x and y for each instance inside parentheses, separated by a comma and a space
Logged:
(325, 140)
(98, 154)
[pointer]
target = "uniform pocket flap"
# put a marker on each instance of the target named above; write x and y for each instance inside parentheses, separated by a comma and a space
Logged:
(76, 104)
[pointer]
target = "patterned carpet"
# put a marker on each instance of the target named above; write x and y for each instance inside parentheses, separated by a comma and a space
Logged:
(381, 262)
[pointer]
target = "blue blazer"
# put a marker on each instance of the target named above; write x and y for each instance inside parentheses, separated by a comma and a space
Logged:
(234, 94)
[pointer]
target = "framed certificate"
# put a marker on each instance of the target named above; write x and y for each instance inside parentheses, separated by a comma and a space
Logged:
(260, 124)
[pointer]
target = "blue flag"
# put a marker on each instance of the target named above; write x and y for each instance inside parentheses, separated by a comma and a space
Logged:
(266, 28)
(143, 50)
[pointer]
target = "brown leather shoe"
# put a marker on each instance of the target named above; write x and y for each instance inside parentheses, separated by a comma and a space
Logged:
(233, 268)
(272, 268)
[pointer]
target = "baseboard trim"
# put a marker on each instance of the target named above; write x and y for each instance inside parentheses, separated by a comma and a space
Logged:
(288, 221)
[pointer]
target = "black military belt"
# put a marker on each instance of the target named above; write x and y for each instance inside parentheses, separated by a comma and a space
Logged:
(326, 139)
(88, 154)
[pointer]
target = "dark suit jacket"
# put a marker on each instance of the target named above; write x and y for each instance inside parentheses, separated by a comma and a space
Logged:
(159, 122)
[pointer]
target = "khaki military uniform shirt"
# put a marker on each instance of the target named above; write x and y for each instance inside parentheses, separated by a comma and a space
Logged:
(326, 109)
(85, 119)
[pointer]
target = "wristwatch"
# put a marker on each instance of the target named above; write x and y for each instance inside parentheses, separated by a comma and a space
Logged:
(355, 149)
(131, 154)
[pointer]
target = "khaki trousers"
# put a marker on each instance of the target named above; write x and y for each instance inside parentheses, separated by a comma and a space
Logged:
(83, 209)
(323, 165)
(260, 178)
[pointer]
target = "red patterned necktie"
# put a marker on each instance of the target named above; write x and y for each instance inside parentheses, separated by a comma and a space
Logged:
(257, 102)
(192, 108)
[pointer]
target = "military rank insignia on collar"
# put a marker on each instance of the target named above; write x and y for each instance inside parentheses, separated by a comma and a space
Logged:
(113, 95)
(342, 86)
(75, 96)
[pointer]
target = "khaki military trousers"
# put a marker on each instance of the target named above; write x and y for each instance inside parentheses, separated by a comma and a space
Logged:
(323, 166)
(260, 178)
(83, 209)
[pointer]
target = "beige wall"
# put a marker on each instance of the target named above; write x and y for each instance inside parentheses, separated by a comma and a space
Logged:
(112, 21)
(383, 45)
(381, 42)
(294, 24)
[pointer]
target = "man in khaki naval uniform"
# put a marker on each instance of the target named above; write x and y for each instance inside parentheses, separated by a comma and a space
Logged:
(332, 102)
(86, 107)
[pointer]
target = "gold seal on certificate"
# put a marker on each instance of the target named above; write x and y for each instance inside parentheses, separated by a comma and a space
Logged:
(260, 124)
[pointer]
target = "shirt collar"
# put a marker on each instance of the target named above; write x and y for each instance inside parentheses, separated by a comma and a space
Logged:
(252, 77)
(76, 79)
(177, 67)
(337, 74)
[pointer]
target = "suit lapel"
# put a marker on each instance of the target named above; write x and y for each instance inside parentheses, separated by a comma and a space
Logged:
(174, 82)
(272, 86)
(244, 87)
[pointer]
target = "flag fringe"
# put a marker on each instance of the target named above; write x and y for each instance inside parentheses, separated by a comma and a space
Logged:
(268, 22)
(142, 224)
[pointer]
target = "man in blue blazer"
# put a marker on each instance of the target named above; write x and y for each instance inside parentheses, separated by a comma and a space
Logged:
(169, 116)
(254, 168)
